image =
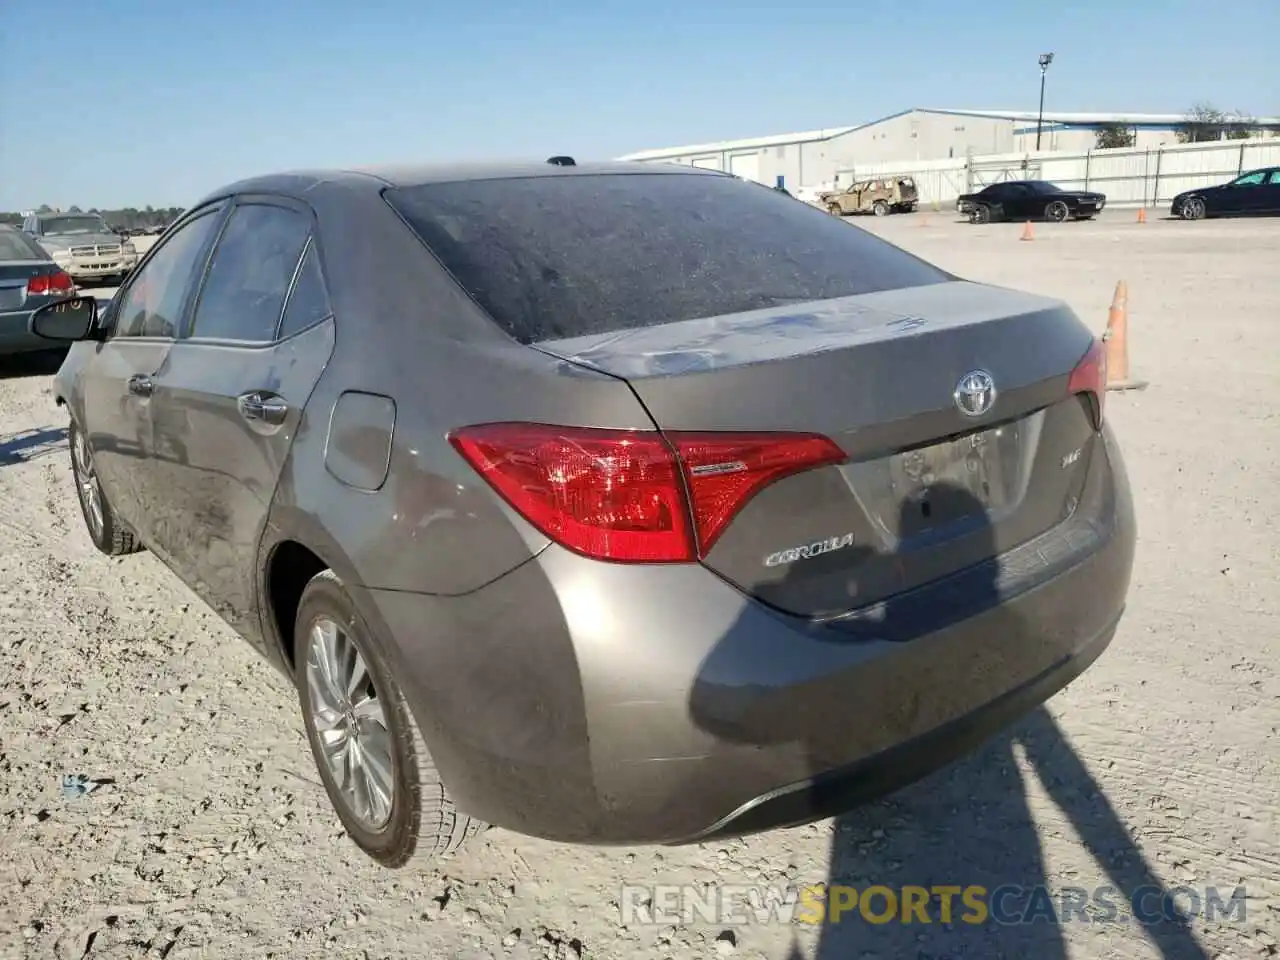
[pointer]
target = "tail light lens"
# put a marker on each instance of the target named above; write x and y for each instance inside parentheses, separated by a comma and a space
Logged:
(632, 496)
(54, 284)
(1090, 376)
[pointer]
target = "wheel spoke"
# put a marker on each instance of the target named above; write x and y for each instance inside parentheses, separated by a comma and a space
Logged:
(358, 678)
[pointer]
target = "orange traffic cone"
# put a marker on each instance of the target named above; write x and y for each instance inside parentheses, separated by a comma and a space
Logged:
(1142, 214)
(1116, 338)
(1027, 233)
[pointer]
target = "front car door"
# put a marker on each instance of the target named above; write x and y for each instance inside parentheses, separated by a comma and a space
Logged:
(1271, 198)
(1243, 194)
(115, 385)
(230, 398)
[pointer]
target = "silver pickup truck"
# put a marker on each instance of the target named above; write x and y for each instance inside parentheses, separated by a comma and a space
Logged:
(83, 245)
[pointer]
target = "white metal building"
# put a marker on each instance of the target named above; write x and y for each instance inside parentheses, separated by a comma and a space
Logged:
(815, 158)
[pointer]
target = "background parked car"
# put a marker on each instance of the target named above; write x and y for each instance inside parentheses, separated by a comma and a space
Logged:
(1029, 200)
(29, 279)
(83, 245)
(880, 196)
(1254, 193)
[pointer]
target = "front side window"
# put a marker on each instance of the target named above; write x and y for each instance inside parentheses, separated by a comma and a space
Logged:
(570, 255)
(152, 305)
(1257, 178)
(250, 273)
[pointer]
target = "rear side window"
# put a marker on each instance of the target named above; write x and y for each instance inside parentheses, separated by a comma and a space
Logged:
(250, 273)
(14, 246)
(309, 301)
(567, 256)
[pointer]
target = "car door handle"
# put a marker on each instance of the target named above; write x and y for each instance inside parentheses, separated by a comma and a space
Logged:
(262, 407)
(141, 385)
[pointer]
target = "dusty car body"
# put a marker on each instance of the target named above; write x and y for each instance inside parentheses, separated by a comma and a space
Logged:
(83, 245)
(880, 196)
(569, 538)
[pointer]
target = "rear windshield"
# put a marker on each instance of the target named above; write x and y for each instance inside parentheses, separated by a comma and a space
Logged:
(14, 246)
(568, 256)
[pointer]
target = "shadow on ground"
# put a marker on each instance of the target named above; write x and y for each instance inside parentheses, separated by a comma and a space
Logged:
(31, 445)
(41, 363)
(966, 825)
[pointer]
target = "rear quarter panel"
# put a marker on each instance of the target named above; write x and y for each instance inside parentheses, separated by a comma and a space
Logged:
(404, 331)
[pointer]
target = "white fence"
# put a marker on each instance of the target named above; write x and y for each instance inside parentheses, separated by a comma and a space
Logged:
(1137, 177)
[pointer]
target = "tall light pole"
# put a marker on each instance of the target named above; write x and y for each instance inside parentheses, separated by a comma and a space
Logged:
(1045, 60)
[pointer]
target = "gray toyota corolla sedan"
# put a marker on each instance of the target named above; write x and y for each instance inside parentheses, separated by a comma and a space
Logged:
(606, 503)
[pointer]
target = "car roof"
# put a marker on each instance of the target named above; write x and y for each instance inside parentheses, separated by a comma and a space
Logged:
(378, 177)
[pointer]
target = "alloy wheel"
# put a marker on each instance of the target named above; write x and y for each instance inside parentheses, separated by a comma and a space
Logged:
(87, 487)
(350, 723)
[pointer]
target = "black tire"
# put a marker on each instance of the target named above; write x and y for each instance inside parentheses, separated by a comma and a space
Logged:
(980, 214)
(107, 531)
(423, 821)
(880, 208)
(835, 210)
(1057, 212)
(1193, 208)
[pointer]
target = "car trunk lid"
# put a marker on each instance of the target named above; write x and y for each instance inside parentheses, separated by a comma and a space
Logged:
(927, 489)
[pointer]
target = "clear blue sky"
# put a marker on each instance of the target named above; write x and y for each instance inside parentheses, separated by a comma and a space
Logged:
(130, 102)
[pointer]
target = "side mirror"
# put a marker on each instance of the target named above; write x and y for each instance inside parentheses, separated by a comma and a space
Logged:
(66, 320)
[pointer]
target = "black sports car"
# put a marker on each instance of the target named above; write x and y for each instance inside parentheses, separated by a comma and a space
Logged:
(1029, 200)
(1250, 194)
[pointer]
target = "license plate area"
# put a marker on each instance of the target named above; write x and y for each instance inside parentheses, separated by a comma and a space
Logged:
(946, 488)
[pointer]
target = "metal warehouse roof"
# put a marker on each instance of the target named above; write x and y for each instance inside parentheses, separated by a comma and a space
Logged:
(776, 140)
(811, 136)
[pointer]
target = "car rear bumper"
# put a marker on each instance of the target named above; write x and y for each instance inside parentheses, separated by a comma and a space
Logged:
(599, 703)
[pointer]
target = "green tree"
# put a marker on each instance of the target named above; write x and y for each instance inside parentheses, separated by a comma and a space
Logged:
(1111, 136)
(1203, 123)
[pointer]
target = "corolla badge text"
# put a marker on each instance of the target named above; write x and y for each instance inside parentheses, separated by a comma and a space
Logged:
(807, 550)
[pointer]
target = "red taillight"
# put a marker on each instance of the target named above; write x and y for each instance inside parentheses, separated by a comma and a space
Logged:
(629, 495)
(724, 471)
(52, 285)
(1090, 376)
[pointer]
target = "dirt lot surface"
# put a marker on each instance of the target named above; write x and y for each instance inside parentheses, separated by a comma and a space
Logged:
(1158, 769)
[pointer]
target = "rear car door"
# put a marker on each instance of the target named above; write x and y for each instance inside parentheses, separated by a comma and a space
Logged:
(117, 383)
(229, 399)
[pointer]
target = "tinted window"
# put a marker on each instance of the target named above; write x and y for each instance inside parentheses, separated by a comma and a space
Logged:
(1251, 179)
(1042, 186)
(14, 246)
(1275, 178)
(72, 225)
(564, 256)
(152, 304)
(249, 274)
(309, 300)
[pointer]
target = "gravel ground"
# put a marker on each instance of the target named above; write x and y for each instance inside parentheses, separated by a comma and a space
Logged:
(1159, 768)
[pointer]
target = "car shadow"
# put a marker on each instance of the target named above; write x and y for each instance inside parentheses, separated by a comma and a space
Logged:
(967, 824)
(37, 363)
(31, 445)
